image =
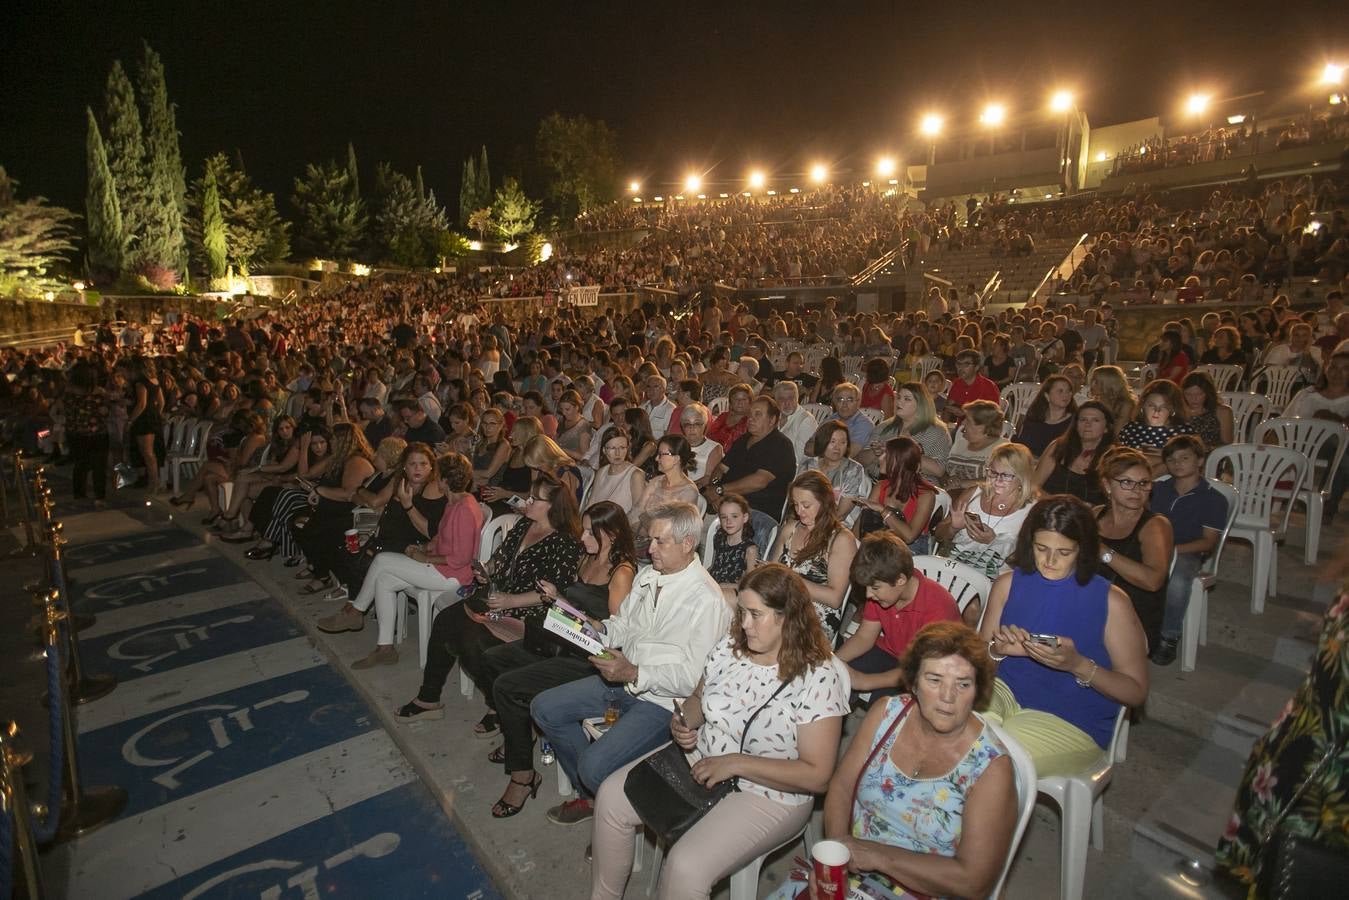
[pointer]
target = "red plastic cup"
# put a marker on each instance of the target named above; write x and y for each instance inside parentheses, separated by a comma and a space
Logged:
(353, 540)
(830, 861)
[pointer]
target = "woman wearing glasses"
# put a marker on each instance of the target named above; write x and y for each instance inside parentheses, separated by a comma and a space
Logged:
(674, 461)
(1135, 543)
(984, 521)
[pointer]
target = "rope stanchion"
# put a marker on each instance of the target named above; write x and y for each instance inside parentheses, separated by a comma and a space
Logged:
(16, 828)
(81, 809)
(57, 559)
(28, 509)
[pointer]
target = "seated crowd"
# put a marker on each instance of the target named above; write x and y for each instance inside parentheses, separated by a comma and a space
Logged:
(735, 503)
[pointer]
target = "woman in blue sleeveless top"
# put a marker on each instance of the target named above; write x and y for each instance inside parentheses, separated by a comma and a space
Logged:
(1070, 648)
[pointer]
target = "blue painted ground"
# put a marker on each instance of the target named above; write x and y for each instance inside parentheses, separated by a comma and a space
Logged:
(296, 759)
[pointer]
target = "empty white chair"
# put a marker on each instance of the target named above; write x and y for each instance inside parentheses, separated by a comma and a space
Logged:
(193, 455)
(1277, 382)
(822, 412)
(1247, 410)
(1224, 377)
(964, 583)
(1256, 470)
(1016, 399)
(1024, 767)
(1082, 813)
(1309, 437)
(852, 364)
(718, 406)
(182, 427)
(873, 415)
(1194, 629)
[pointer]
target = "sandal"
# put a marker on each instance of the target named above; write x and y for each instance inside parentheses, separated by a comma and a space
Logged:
(305, 574)
(318, 586)
(497, 756)
(489, 726)
(503, 810)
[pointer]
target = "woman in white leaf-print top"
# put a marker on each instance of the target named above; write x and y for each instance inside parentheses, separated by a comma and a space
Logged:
(776, 662)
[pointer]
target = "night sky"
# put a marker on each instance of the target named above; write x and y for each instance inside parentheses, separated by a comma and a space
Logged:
(716, 87)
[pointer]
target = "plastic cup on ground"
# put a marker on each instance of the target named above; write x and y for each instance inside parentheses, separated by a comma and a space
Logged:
(830, 861)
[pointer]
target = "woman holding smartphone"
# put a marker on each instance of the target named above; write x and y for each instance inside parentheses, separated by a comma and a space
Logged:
(986, 519)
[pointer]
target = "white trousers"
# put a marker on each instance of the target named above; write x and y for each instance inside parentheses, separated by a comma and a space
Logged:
(389, 575)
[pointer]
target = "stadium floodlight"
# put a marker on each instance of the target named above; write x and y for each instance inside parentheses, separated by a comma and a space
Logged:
(818, 173)
(757, 179)
(1197, 104)
(1332, 74)
(994, 114)
(1061, 102)
(930, 125)
(885, 166)
(634, 187)
(692, 183)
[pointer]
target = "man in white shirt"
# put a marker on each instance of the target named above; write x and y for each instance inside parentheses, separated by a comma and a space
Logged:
(797, 424)
(658, 642)
(658, 407)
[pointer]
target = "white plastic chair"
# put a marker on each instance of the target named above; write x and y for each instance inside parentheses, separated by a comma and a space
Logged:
(1082, 812)
(1256, 469)
(1016, 400)
(1224, 377)
(874, 416)
(1278, 383)
(1247, 409)
(1194, 629)
(852, 364)
(822, 412)
(964, 583)
(178, 428)
(429, 603)
(927, 364)
(1309, 437)
(718, 406)
(493, 533)
(1026, 779)
(193, 455)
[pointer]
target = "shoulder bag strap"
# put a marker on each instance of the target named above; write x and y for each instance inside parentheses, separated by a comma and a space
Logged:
(904, 711)
(745, 734)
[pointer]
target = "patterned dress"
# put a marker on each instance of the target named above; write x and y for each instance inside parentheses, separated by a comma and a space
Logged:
(1291, 753)
(815, 569)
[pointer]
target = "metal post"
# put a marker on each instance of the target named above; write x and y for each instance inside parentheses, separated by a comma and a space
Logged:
(56, 540)
(14, 802)
(82, 809)
(25, 489)
(81, 688)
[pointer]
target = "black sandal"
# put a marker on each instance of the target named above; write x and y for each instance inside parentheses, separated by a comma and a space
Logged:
(489, 726)
(497, 756)
(318, 587)
(503, 810)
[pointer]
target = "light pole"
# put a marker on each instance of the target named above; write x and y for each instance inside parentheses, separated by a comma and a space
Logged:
(931, 126)
(1062, 103)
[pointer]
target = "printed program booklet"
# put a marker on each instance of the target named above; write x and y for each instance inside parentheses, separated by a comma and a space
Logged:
(569, 623)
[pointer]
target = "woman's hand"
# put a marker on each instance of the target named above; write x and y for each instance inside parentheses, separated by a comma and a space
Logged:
(499, 602)
(415, 553)
(1064, 657)
(713, 770)
(547, 590)
(492, 494)
(861, 854)
(404, 492)
(980, 532)
(1010, 640)
(313, 497)
(684, 736)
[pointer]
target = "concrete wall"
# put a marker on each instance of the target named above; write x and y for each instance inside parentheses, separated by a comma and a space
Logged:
(1002, 172)
(1110, 140)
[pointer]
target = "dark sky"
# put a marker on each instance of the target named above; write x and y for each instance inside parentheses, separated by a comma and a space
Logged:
(713, 86)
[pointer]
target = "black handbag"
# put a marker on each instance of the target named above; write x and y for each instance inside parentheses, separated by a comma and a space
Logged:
(665, 796)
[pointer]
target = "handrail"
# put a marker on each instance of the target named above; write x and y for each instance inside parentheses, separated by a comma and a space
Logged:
(885, 259)
(990, 287)
(1068, 260)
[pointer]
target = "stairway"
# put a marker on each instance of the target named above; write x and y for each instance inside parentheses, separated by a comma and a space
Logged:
(974, 266)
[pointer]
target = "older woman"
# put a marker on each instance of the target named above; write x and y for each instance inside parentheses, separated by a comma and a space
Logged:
(443, 564)
(980, 432)
(831, 454)
(1069, 646)
(925, 796)
(901, 500)
(1070, 463)
(616, 478)
(732, 423)
(984, 521)
(768, 714)
(707, 453)
(1138, 542)
(817, 546)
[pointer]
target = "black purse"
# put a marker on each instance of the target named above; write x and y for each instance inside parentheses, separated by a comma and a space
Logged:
(665, 796)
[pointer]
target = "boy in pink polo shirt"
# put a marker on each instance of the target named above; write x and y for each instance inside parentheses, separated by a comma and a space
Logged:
(900, 601)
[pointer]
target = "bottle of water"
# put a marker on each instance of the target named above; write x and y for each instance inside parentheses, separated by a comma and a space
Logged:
(546, 755)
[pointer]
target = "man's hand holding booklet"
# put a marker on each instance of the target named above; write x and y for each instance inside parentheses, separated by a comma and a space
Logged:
(570, 624)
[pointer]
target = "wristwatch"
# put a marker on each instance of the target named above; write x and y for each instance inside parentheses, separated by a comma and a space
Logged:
(1107, 556)
(719, 489)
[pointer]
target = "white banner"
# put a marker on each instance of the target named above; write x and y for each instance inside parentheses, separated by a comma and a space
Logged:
(584, 295)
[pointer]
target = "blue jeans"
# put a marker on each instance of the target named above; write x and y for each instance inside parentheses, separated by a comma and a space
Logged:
(1178, 593)
(763, 524)
(642, 727)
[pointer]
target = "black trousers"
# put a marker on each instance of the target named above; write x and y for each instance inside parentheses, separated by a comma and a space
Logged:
(454, 636)
(323, 540)
(89, 453)
(516, 677)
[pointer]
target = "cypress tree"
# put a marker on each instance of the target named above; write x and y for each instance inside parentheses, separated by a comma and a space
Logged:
(484, 181)
(126, 159)
(421, 188)
(212, 226)
(163, 245)
(468, 191)
(353, 174)
(102, 214)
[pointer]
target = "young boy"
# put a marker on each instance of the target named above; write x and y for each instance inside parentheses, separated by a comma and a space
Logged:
(900, 601)
(1198, 514)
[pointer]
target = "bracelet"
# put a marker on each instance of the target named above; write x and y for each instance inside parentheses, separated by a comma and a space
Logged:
(407, 509)
(991, 655)
(1087, 682)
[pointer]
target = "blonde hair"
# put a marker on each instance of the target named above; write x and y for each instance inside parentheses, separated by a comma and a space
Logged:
(542, 452)
(1018, 459)
(1108, 385)
(389, 452)
(926, 414)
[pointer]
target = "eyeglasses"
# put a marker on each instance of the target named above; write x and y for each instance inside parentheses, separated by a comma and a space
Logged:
(1130, 484)
(666, 453)
(1002, 476)
(535, 498)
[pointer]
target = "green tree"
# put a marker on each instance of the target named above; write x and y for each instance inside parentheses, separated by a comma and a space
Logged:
(580, 157)
(352, 172)
(35, 239)
(406, 219)
(255, 234)
(331, 222)
(103, 215)
(480, 220)
(484, 179)
(126, 159)
(468, 191)
(513, 213)
(212, 226)
(162, 244)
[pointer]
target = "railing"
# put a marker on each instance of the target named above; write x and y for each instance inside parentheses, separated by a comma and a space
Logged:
(1066, 267)
(885, 259)
(990, 287)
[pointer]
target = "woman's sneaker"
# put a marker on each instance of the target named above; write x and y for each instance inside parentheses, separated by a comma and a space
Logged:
(573, 812)
(1165, 654)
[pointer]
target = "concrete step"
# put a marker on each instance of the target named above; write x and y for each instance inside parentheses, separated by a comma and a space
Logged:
(1230, 698)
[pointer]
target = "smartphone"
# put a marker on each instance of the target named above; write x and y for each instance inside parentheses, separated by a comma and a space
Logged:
(679, 711)
(973, 517)
(516, 502)
(1048, 640)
